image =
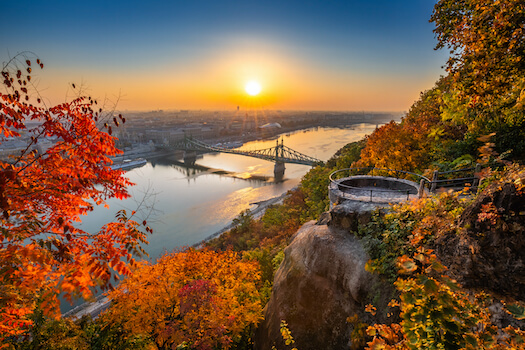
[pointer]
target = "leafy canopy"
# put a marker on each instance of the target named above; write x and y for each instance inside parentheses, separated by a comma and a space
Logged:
(486, 39)
(482, 93)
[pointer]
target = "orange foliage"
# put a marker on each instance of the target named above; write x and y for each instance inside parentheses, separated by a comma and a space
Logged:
(44, 193)
(487, 46)
(418, 140)
(390, 146)
(435, 311)
(203, 298)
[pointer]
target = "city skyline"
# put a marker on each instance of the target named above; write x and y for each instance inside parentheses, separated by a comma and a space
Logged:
(307, 55)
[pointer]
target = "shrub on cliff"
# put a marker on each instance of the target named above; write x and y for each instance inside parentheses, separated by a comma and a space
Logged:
(480, 244)
(314, 184)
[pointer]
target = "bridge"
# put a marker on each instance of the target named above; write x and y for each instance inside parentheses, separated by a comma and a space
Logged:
(278, 154)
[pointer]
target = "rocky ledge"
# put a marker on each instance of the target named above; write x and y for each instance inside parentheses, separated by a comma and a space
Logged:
(322, 281)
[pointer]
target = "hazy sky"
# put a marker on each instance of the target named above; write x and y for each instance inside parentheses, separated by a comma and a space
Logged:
(323, 55)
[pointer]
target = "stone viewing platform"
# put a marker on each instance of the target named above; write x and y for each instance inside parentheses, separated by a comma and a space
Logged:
(383, 187)
(379, 186)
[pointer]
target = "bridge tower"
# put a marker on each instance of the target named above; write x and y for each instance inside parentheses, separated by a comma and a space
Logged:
(278, 170)
(190, 157)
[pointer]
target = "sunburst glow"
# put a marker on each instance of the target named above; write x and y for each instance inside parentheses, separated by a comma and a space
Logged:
(253, 88)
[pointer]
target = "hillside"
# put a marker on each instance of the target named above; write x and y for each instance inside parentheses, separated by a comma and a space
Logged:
(451, 265)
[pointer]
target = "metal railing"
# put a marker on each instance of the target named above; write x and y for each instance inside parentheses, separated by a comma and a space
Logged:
(372, 171)
(446, 179)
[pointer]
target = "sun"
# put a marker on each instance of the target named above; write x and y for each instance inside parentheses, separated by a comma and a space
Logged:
(253, 88)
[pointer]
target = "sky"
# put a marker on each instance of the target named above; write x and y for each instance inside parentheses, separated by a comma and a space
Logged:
(373, 55)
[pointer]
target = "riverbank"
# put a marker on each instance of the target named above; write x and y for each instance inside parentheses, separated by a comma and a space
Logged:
(256, 214)
(148, 151)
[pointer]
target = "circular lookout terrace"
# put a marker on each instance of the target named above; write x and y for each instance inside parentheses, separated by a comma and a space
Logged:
(381, 186)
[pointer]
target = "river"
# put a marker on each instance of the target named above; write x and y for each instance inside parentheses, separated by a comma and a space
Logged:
(186, 206)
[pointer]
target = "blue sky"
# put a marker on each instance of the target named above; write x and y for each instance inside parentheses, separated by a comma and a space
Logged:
(324, 55)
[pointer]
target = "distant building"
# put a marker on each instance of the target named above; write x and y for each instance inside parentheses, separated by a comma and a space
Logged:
(270, 126)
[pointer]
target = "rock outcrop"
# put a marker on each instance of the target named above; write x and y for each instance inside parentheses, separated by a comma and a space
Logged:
(321, 282)
(487, 251)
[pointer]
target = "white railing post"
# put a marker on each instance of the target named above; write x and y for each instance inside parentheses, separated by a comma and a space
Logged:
(421, 190)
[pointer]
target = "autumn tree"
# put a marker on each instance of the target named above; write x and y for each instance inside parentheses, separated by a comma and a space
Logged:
(59, 175)
(483, 93)
(198, 299)
(422, 138)
(486, 40)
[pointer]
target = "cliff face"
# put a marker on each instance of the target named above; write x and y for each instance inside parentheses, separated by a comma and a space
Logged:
(321, 282)
(487, 251)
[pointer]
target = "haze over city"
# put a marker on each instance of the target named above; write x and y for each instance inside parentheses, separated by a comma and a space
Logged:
(305, 55)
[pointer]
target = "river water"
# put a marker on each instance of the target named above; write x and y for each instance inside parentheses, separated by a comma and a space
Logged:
(189, 205)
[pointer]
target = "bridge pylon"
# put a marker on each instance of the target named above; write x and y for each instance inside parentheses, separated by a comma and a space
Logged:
(278, 171)
(190, 157)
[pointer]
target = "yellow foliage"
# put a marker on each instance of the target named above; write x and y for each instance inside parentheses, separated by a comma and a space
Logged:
(203, 298)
